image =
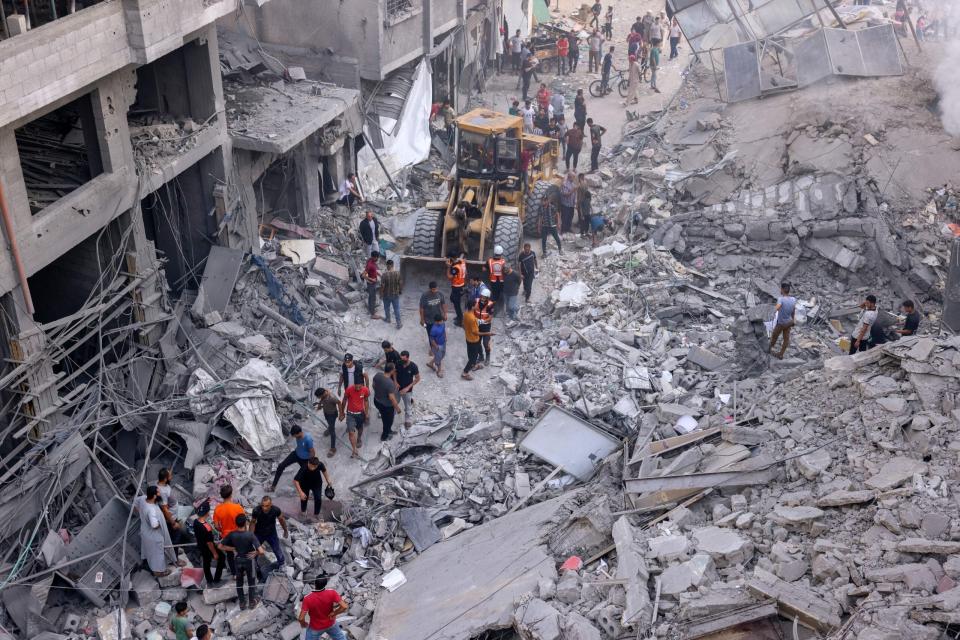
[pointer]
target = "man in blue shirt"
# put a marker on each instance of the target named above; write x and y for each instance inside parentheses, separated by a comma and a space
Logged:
(300, 455)
(786, 315)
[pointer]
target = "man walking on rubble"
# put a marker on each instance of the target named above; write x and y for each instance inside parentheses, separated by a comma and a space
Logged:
(511, 290)
(432, 303)
(355, 409)
(528, 269)
(548, 223)
(596, 142)
(860, 340)
(303, 451)
(246, 548)
(457, 275)
(408, 376)
(911, 322)
(225, 519)
(371, 276)
(206, 544)
(350, 371)
(390, 356)
(370, 234)
(483, 310)
(329, 404)
(323, 606)
(203, 633)
(495, 273)
(473, 335)
(385, 399)
(786, 318)
(391, 287)
(310, 481)
(263, 523)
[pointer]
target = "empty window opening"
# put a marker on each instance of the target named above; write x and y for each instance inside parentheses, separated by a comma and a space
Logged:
(179, 219)
(79, 300)
(59, 152)
(39, 13)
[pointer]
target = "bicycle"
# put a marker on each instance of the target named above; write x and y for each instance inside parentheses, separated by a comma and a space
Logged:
(620, 81)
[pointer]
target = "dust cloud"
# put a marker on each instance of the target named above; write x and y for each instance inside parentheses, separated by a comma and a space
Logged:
(947, 79)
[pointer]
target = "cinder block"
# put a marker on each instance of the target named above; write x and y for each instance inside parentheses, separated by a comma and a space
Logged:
(16, 24)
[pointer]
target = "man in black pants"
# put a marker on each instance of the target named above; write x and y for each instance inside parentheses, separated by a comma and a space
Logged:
(386, 398)
(329, 404)
(528, 269)
(310, 480)
(203, 533)
(246, 546)
(548, 223)
(304, 451)
(596, 141)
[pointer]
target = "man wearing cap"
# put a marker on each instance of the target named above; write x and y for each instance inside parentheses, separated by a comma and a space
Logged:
(495, 273)
(206, 544)
(457, 275)
(303, 452)
(432, 303)
(371, 276)
(350, 370)
(483, 309)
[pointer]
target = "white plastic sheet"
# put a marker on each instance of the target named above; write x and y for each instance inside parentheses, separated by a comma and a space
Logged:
(411, 142)
(252, 391)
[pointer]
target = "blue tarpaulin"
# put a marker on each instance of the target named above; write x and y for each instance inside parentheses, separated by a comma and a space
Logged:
(288, 306)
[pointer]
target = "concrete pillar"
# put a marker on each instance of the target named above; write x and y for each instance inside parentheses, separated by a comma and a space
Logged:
(307, 179)
(427, 18)
(150, 296)
(36, 390)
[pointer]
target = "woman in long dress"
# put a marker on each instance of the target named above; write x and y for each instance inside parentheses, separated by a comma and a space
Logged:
(633, 78)
(154, 537)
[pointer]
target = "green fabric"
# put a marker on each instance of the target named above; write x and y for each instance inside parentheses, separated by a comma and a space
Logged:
(541, 13)
(180, 627)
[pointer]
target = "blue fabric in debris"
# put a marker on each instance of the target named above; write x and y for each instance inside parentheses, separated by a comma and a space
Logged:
(288, 306)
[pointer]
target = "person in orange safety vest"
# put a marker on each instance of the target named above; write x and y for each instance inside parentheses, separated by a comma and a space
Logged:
(457, 275)
(495, 271)
(483, 309)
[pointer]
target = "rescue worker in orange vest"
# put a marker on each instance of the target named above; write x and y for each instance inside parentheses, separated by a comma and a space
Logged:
(483, 309)
(495, 270)
(457, 275)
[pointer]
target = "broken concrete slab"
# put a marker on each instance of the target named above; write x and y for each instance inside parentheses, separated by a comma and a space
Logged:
(705, 359)
(537, 620)
(923, 546)
(632, 569)
(895, 472)
(793, 600)
(497, 562)
(844, 498)
(726, 547)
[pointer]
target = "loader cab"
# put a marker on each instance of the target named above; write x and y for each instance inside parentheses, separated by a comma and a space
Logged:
(488, 145)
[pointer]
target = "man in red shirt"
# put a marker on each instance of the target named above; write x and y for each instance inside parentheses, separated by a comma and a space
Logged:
(563, 50)
(371, 275)
(323, 606)
(543, 97)
(354, 408)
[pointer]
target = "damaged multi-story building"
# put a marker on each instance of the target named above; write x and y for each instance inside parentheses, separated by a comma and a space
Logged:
(125, 157)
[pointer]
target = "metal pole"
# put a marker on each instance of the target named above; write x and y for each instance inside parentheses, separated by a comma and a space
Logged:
(15, 251)
(376, 155)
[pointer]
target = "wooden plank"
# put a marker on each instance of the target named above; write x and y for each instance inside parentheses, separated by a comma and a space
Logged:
(666, 445)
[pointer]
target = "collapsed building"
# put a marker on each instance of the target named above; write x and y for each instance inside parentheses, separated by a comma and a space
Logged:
(642, 466)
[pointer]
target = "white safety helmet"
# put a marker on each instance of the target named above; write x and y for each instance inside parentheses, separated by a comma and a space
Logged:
(484, 293)
(498, 250)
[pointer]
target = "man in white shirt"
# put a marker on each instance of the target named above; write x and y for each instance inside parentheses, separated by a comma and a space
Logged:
(595, 42)
(516, 45)
(859, 341)
(528, 113)
(350, 192)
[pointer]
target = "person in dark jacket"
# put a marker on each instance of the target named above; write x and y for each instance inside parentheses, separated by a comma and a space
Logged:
(370, 233)
(349, 370)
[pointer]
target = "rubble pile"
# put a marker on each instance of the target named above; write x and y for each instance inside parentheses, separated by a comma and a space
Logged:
(159, 137)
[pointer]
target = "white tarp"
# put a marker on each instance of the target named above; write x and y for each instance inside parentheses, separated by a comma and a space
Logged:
(519, 15)
(411, 142)
(253, 410)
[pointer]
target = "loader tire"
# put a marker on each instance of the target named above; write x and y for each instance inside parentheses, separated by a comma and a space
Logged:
(426, 233)
(531, 213)
(507, 233)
